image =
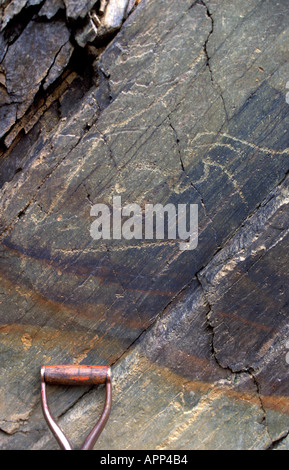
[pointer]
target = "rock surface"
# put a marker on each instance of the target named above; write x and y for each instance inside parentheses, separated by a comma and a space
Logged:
(173, 110)
(37, 49)
(113, 16)
(78, 8)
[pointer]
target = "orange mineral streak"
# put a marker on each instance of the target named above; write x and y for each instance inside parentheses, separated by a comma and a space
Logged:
(78, 313)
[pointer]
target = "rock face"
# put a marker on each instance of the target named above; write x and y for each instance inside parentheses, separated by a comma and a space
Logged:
(33, 57)
(38, 50)
(185, 105)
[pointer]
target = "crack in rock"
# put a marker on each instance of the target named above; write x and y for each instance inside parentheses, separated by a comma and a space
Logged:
(210, 16)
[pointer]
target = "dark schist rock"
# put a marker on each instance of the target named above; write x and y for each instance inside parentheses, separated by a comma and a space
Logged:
(76, 8)
(40, 50)
(245, 287)
(35, 59)
(12, 8)
(181, 114)
(37, 40)
(51, 8)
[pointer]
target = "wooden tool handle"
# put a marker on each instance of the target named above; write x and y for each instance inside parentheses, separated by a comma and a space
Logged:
(75, 375)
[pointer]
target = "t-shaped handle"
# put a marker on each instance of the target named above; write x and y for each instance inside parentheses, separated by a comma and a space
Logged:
(75, 375)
